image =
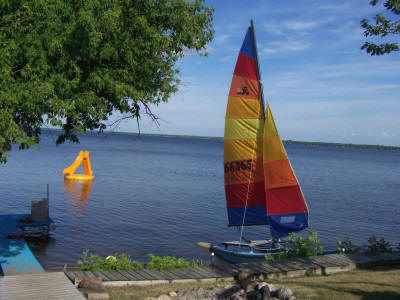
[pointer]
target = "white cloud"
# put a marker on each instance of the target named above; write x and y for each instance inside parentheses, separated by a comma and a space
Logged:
(279, 28)
(273, 27)
(222, 38)
(279, 46)
(387, 135)
(300, 25)
(343, 7)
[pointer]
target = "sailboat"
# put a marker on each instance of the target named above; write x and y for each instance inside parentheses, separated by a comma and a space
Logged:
(260, 185)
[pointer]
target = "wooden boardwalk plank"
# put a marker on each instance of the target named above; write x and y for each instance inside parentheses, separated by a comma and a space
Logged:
(70, 275)
(125, 275)
(151, 274)
(170, 275)
(137, 274)
(38, 286)
(266, 268)
(224, 270)
(301, 265)
(326, 261)
(183, 273)
(157, 275)
(280, 266)
(113, 275)
(203, 273)
(208, 271)
(313, 265)
(146, 274)
(133, 276)
(309, 262)
(257, 268)
(336, 259)
(101, 275)
(342, 259)
(88, 274)
(195, 273)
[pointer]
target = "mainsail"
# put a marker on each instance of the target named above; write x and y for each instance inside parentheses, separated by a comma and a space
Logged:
(260, 184)
(243, 138)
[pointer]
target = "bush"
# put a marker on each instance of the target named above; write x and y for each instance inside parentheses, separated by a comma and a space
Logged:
(92, 262)
(298, 246)
(374, 245)
(161, 263)
(347, 246)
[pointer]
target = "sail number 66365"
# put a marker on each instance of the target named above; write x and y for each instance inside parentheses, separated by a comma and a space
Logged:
(238, 165)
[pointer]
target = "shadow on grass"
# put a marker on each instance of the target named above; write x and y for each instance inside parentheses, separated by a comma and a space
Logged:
(386, 267)
(387, 295)
(336, 290)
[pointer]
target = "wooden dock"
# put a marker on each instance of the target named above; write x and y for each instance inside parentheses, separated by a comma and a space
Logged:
(317, 265)
(38, 286)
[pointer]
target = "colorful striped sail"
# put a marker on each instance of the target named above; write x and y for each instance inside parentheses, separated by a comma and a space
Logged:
(286, 208)
(243, 138)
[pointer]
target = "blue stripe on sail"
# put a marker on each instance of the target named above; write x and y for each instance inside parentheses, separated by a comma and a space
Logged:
(247, 46)
(255, 215)
(282, 225)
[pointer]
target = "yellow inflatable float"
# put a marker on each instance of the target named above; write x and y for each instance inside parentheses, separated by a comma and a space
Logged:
(69, 173)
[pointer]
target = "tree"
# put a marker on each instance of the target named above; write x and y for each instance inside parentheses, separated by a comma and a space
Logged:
(73, 63)
(383, 27)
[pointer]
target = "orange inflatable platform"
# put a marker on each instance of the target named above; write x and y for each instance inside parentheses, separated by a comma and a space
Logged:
(69, 173)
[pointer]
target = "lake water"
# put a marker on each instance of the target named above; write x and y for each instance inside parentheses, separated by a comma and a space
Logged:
(161, 195)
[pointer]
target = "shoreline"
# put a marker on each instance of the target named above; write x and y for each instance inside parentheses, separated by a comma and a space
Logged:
(286, 142)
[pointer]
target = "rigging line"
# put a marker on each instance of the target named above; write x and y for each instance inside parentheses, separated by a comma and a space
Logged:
(247, 198)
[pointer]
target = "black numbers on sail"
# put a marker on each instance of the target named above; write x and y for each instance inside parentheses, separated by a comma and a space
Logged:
(236, 166)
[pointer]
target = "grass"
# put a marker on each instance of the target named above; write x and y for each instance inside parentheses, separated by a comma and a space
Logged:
(137, 293)
(376, 283)
(371, 284)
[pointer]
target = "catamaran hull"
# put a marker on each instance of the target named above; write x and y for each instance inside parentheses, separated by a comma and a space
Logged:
(245, 255)
(236, 256)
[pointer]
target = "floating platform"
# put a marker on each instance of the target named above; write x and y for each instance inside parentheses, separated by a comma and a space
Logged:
(83, 157)
(15, 255)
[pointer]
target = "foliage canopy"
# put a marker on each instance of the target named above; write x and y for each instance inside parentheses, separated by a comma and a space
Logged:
(382, 28)
(72, 63)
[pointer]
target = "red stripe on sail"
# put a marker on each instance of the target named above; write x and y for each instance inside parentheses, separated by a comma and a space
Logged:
(236, 194)
(285, 200)
(246, 67)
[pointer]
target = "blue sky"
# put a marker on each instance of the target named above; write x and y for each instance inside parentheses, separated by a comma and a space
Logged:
(320, 85)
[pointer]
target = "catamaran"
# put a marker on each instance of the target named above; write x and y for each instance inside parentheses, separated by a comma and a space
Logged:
(260, 185)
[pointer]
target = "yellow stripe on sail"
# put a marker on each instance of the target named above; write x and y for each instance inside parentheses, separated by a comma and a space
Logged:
(243, 108)
(273, 149)
(270, 128)
(236, 129)
(236, 150)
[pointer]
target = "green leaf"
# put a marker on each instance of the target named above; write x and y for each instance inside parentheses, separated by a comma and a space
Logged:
(72, 64)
